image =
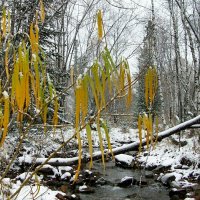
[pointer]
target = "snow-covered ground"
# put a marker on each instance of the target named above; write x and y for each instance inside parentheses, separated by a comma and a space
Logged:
(166, 154)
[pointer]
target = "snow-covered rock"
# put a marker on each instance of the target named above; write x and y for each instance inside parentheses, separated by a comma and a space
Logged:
(169, 177)
(63, 169)
(127, 181)
(49, 170)
(124, 160)
(86, 189)
(23, 176)
(65, 176)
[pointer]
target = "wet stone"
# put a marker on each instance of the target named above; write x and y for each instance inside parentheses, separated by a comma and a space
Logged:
(149, 174)
(145, 154)
(181, 193)
(142, 183)
(60, 196)
(101, 181)
(186, 161)
(80, 181)
(151, 167)
(160, 169)
(127, 181)
(48, 170)
(86, 189)
(73, 197)
(178, 167)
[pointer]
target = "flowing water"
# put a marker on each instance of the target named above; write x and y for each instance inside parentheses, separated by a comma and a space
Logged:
(152, 191)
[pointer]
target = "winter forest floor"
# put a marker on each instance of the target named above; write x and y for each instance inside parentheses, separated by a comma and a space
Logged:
(173, 168)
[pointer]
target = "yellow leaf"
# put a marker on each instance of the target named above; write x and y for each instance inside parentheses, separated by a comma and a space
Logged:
(3, 23)
(122, 77)
(94, 92)
(100, 141)
(98, 88)
(100, 24)
(5, 117)
(146, 128)
(89, 136)
(147, 89)
(140, 132)
(37, 83)
(78, 105)
(157, 130)
(34, 40)
(42, 11)
(107, 138)
(6, 58)
(129, 96)
(55, 115)
(79, 155)
(151, 128)
(103, 88)
(108, 71)
(9, 23)
(0, 86)
(44, 114)
(84, 103)
(37, 39)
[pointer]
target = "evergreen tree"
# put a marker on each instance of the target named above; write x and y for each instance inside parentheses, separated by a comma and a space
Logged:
(146, 60)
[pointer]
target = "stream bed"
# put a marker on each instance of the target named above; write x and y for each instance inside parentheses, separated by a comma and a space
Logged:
(113, 174)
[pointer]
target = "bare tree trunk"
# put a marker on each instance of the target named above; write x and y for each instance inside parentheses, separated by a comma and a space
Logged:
(177, 58)
(195, 92)
(155, 59)
(189, 22)
(13, 18)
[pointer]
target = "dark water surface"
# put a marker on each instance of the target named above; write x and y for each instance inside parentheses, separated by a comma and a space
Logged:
(153, 190)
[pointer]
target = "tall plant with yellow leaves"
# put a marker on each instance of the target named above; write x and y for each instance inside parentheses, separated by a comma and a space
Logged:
(146, 119)
(25, 81)
(27, 84)
(95, 80)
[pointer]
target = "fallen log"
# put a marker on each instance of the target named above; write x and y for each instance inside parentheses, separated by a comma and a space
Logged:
(194, 126)
(97, 155)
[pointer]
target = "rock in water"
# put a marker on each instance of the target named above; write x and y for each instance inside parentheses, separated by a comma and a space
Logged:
(86, 189)
(149, 174)
(124, 160)
(180, 193)
(60, 196)
(161, 169)
(48, 170)
(66, 176)
(167, 179)
(101, 181)
(127, 181)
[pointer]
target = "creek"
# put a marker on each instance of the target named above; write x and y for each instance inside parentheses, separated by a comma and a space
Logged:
(113, 174)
